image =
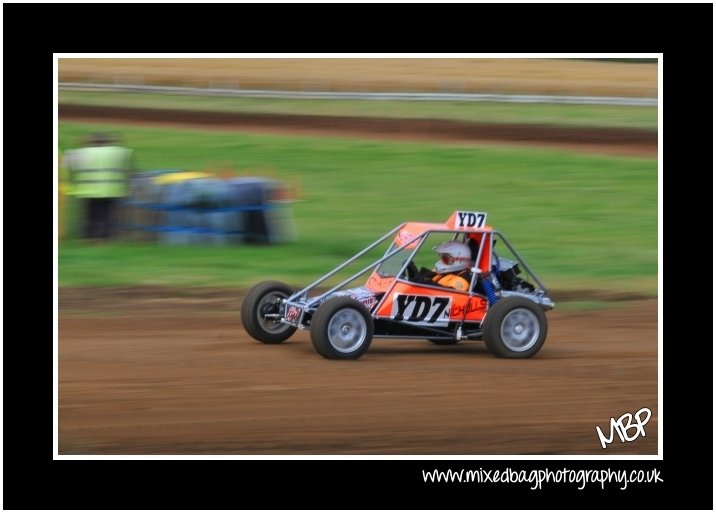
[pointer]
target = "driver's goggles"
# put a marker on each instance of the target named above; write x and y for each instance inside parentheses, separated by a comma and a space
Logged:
(449, 259)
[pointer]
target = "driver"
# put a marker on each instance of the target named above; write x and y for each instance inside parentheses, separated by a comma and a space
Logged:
(452, 270)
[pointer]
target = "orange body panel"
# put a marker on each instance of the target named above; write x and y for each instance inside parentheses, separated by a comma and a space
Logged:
(486, 257)
(434, 305)
(411, 302)
(378, 284)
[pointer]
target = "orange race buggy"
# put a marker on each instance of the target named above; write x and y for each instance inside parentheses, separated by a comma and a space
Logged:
(504, 310)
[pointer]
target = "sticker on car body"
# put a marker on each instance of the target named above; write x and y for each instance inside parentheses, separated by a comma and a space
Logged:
(293, 313)
(363, 295)
(421, 310)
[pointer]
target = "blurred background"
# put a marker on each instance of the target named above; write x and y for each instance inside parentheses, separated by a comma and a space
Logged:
(219, 173)
(240, 172)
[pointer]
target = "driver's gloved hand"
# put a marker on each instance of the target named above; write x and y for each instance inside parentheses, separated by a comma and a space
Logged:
(425, 274)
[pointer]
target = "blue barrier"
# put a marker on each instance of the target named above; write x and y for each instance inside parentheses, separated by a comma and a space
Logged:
(206, 210)
(164, 228)
(163, 207)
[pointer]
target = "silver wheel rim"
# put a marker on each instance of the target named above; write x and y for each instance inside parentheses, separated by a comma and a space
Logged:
(347, 330)
(270, 325)
(520, 330)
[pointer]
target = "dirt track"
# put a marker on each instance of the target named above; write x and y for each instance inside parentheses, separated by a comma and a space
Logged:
(158, 371)
(599, 140)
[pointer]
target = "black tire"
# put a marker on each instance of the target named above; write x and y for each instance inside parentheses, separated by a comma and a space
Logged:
(341, 328)
(515, 327)
(443, 341)
(259, 301)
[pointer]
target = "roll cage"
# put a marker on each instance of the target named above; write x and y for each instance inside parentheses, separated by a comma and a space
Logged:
(409, 238)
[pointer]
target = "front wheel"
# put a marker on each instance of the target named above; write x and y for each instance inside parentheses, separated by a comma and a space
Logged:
(261, 311)
(341, 328)
(515, 327)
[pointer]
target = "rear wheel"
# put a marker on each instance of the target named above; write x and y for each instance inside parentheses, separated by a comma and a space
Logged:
(515, 327)
(261, 310)
(341, 328)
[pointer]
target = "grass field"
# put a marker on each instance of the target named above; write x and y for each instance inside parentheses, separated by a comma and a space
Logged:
(570, 115)
(581, 221)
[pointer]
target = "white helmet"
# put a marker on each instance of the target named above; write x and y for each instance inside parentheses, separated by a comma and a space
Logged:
(454, 256)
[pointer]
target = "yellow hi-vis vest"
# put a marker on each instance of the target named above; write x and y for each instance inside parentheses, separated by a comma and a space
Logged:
(99, 171)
